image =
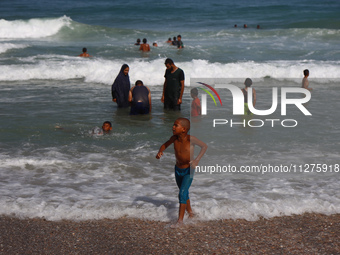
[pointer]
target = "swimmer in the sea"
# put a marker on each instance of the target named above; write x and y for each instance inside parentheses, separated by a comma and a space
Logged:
(106, 128)
(144, 46)
(85, 54)
(305, 82)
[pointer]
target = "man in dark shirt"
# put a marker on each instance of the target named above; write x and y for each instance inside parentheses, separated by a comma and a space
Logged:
(173, 87)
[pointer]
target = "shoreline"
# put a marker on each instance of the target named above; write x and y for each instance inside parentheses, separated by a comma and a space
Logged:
(309, 233)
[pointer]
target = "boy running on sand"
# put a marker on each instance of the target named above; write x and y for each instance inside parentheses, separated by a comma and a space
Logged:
(184, 169)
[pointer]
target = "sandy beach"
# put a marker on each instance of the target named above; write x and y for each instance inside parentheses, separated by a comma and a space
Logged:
(299, 234)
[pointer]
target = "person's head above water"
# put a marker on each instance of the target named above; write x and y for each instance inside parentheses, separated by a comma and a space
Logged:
(306, 72)
(194, 92)
(248, 82)
(107, 126)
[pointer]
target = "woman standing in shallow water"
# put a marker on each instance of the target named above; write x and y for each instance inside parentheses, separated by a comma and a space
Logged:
(121, 87)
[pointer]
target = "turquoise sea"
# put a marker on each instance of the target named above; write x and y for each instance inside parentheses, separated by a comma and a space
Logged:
(53, 166)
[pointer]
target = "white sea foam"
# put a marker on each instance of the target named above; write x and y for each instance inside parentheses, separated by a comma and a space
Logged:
(33, 28)
(4, 47)
(104, 71)
(98, 199)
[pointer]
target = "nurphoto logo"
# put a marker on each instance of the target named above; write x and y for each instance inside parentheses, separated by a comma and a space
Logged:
(242, 104)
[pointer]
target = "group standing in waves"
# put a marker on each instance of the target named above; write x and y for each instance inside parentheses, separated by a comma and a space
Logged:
(139, 97)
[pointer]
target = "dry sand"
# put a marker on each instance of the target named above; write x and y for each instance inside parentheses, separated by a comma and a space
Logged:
(299, 234)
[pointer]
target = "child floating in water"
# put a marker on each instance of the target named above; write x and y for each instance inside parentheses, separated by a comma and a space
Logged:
(106, 128)
(185, 164)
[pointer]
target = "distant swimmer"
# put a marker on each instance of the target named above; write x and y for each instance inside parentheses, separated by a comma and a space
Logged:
(85, 54)
(155, 44)
(137, 42)
(140, 98)
(169, 40)
(245, 26)
(180, 44)
(305, 82)
(258, 26)
(144, 46)
(248, 82)
(235, 26)
(174, 41)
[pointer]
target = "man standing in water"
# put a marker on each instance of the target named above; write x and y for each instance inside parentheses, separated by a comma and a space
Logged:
(173, 87)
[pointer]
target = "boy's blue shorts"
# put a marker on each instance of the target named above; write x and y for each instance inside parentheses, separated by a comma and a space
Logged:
(183, 180)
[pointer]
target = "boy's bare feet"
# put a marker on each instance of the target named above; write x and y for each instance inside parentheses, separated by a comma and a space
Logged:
(192, 215)
(178, 224)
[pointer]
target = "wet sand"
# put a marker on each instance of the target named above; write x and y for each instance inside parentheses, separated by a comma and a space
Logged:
(298, 234)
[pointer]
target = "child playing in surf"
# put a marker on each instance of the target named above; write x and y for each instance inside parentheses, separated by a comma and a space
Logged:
(185, 164)
(195, 104)
(106, 128)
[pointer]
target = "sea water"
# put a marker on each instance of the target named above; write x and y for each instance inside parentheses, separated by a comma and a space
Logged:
(54, 165)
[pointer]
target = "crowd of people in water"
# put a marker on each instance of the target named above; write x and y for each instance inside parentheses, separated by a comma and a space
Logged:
(138, 98)
(145, 47)
(176, 41)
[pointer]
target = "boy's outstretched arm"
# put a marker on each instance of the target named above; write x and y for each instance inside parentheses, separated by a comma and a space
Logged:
(204, 147)
(164, 146)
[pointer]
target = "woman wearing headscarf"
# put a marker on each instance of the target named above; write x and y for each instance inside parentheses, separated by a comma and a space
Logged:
(121, 87)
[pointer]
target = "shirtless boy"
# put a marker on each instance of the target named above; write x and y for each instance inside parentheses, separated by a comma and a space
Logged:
(144, 46)
(85, 54)
(185, 164)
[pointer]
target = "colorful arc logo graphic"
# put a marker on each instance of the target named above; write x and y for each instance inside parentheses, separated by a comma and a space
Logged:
(208, 92)
(204, 97)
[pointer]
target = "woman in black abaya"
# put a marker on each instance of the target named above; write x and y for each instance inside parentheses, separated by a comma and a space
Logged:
(121, 87)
